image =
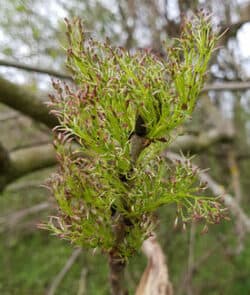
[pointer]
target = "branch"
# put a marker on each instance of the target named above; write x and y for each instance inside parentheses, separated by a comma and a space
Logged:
(8, 116)
(34, 69)
(235, 175)
(53, 287)
(116, 264)
(22, 100)
(194, 144)
(195, 267)
(32, 158)
(82, 282)
(4, 159)
(25, 185)
(27, 160)
(191, 259)
(227, 86)
(14, 218)
(129, 29)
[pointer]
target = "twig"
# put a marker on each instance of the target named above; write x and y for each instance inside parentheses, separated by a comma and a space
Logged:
(29, 68)
(227, 86)
(58, 279)
(201, 142)
(187, 276)
(19, 186)
(116, 264)
(14, 218)
(235, 175)
(199, 262)
(191, 259)
(82, 282)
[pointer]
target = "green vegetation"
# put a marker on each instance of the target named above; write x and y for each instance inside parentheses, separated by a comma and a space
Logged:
(122, 116)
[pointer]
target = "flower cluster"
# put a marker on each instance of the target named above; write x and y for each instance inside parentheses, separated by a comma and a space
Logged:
(100, 190)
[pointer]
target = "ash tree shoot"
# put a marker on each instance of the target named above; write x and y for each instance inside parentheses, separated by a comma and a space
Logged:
(123, 112)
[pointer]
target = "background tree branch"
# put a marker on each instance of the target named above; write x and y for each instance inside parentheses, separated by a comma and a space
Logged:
(27, 160)
(25, 102)
(34, 69)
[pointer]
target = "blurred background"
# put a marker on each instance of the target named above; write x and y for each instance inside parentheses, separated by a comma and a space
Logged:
(32, 40)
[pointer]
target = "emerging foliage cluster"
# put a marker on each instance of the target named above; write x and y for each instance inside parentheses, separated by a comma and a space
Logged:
(122, 98)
